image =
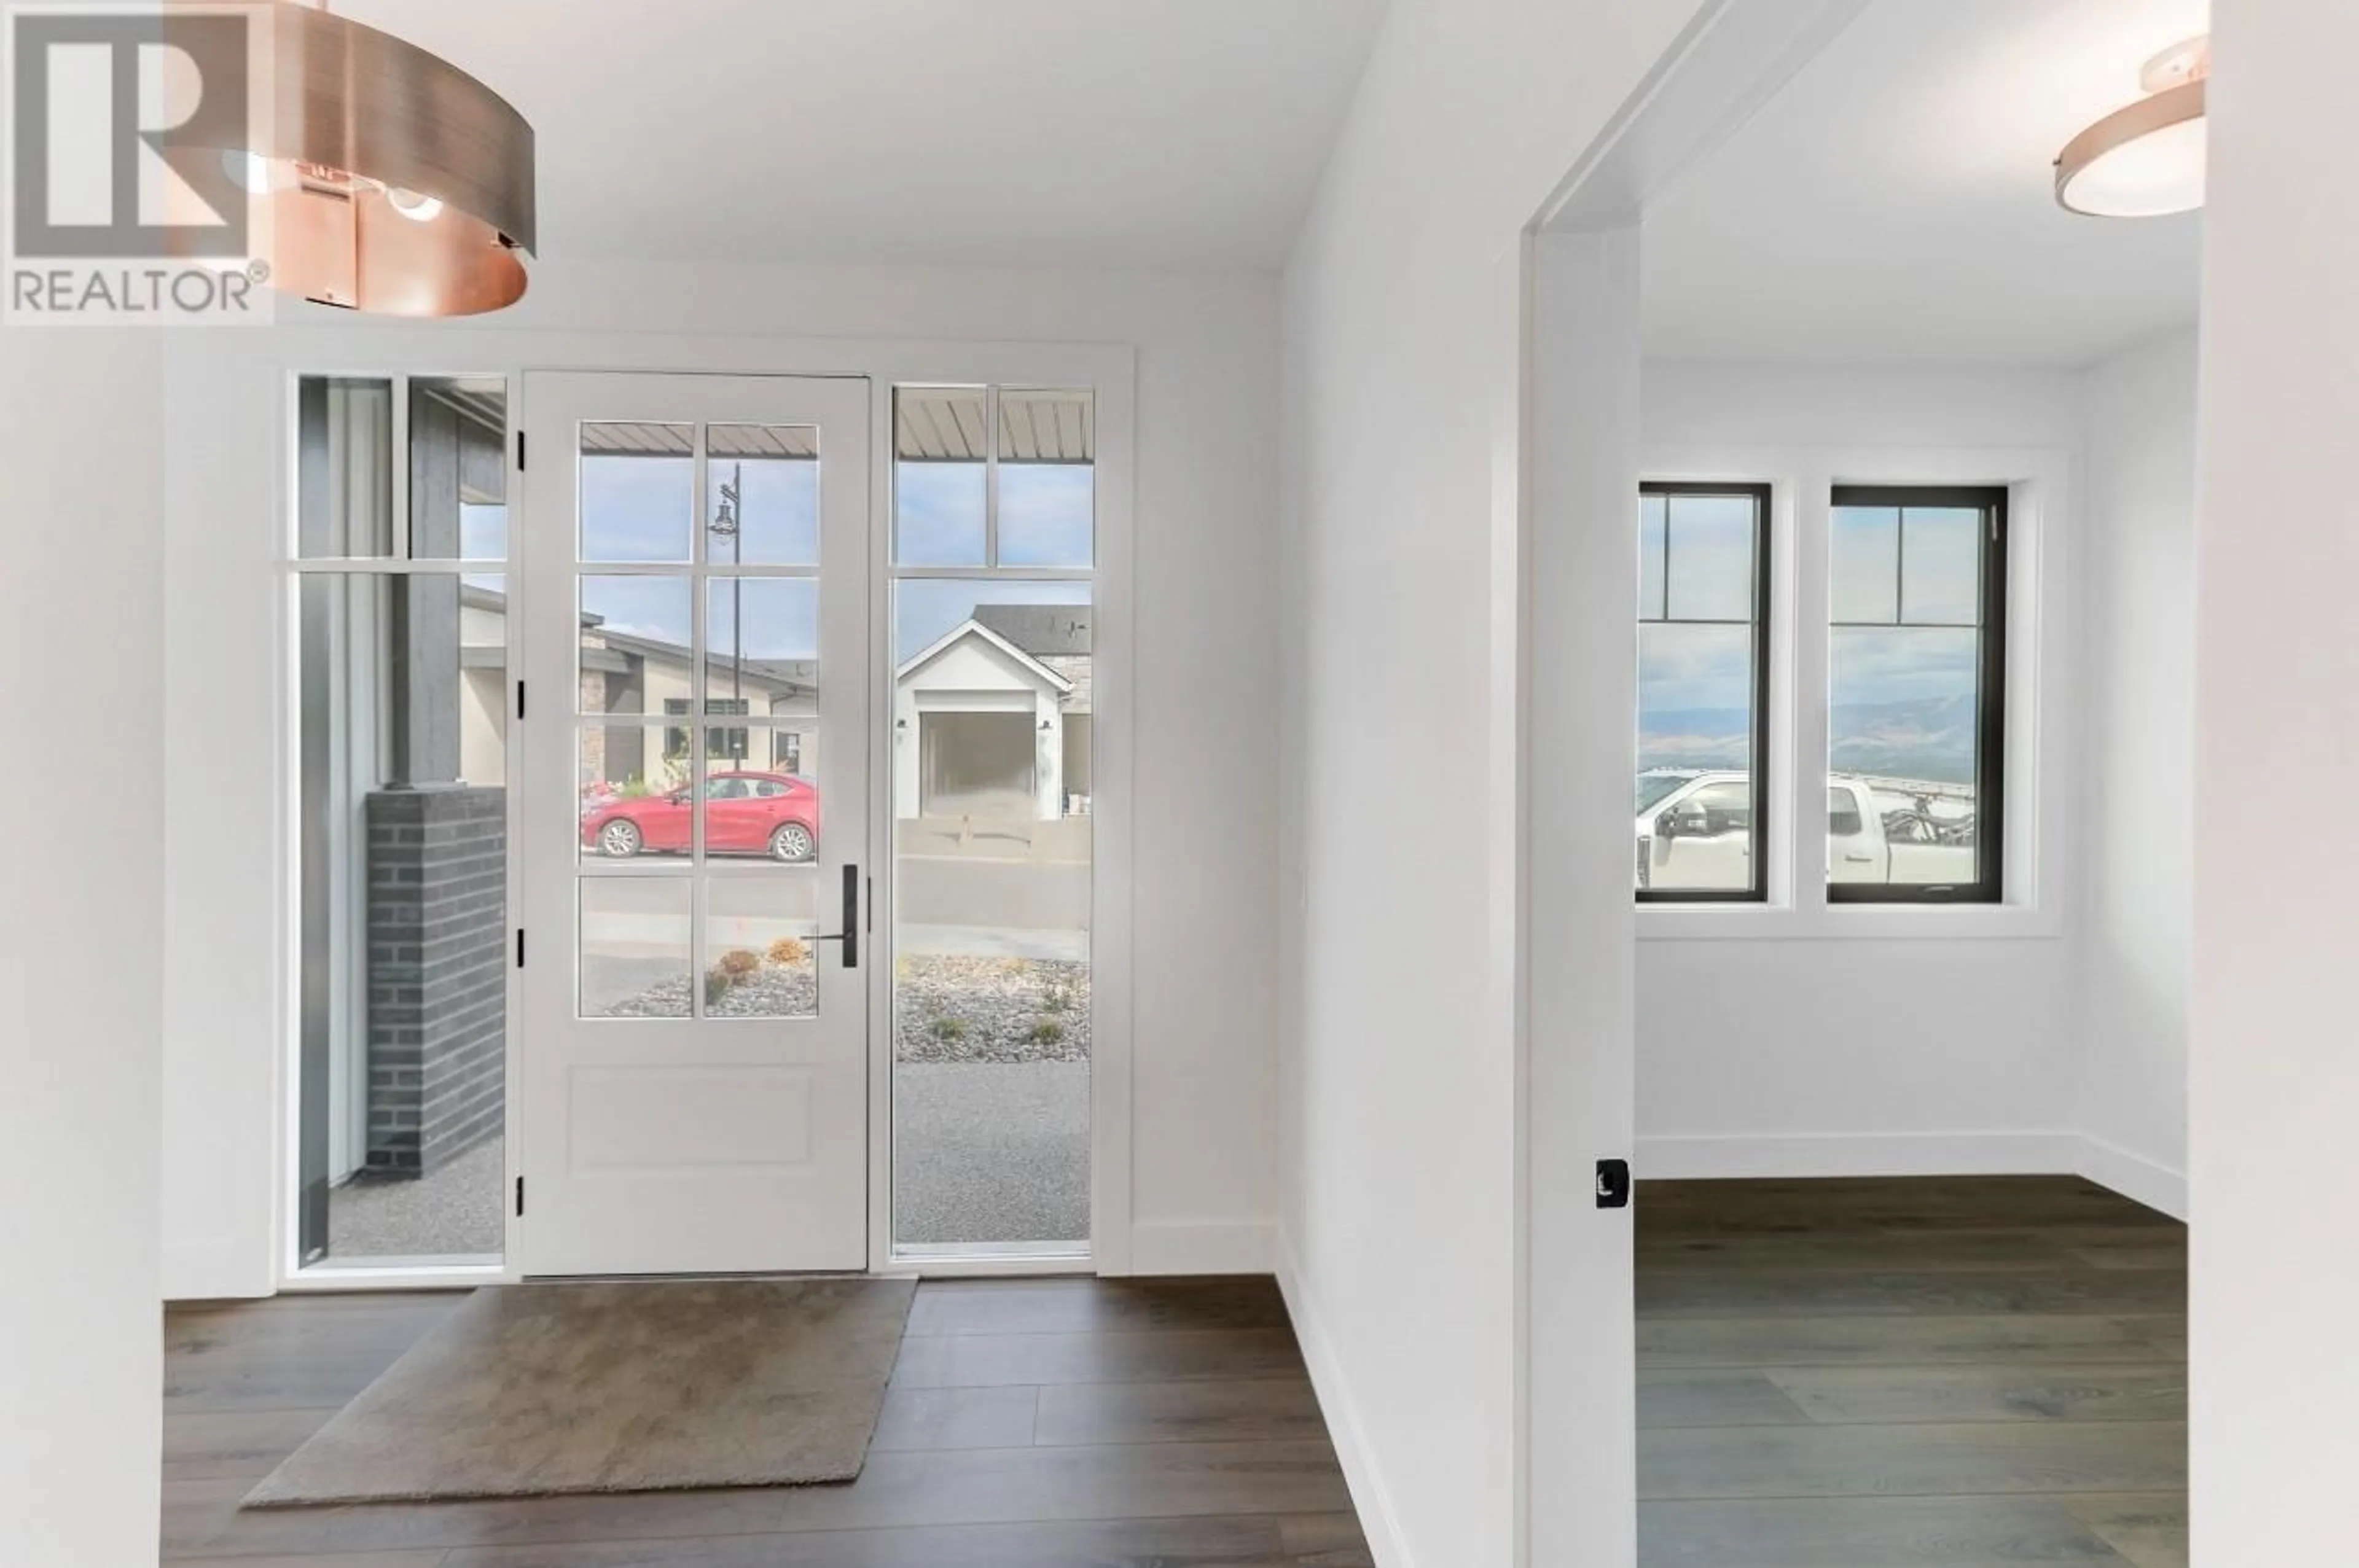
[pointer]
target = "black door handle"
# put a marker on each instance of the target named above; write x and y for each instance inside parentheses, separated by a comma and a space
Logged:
(850, 934)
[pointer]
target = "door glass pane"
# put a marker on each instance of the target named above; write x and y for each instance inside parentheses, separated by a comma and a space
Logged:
(941, 442)
(760, 945)
(634, 958)
(638, 492)
(755, 813)
(1048, 449)
(761, 504)
(762, 640)
(991, 788)
(632, 780)
(636, 644)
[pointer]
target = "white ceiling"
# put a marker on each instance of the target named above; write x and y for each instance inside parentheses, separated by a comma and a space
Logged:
(1089, 133)
(1895, 200)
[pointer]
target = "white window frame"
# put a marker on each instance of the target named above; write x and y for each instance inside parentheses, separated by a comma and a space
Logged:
(291, 352)
(2039, 482)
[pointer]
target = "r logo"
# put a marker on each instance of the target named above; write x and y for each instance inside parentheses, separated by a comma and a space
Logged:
(121, 123)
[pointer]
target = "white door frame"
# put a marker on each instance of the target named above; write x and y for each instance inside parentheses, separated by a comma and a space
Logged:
(1566, 358)
(261, 371)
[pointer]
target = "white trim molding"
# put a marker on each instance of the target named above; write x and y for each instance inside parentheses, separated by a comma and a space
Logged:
(1372, 1498)
(1667, 1159)
(1203, 1246)
(2134, 1176)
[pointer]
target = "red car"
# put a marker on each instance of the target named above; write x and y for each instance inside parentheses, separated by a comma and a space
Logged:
(749, 813)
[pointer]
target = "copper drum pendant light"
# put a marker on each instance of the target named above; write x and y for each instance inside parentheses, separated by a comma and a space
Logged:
(397, 184)
(2148, 159)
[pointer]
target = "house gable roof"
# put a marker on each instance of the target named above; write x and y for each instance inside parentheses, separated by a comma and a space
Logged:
(976, 629)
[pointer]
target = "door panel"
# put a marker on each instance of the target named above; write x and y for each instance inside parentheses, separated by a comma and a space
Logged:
(695, 1057)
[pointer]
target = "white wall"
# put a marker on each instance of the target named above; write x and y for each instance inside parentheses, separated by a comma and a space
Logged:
(1399, 1203)
(81, 930)
(2138, 663)
(1778, 1041)
(2275, 1077)
(1205, 901)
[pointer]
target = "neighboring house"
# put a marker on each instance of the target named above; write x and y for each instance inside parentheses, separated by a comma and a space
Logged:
(993, 718)
(996, 711)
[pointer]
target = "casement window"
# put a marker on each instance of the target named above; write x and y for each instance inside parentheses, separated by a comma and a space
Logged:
(1916, 694)
(1704, 692)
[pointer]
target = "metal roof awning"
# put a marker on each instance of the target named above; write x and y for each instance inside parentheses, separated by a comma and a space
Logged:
(946, 424)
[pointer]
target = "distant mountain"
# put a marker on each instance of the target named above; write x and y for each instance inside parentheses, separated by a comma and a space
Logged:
(1921, 738)
(1696, 738)
(1924, 738)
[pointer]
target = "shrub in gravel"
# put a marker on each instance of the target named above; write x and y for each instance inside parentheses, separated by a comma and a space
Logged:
(786, 952)
(1048, 1032)
(717, 982)
(947, 1029)
(739, 963)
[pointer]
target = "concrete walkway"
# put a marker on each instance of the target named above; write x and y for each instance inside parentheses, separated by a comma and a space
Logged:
(984, 1152)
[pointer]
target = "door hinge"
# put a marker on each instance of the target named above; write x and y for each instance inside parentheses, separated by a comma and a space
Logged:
(519, 1197)
(519, 947)
(519, 451)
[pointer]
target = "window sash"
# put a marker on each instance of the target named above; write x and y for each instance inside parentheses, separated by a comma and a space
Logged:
(1759, 623)
(1990, 689)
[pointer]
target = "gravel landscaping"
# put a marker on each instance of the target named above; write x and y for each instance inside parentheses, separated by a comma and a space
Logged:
(991, 1009)
(947, 1008)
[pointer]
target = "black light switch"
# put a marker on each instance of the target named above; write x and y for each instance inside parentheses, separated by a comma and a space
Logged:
(1613, 1183)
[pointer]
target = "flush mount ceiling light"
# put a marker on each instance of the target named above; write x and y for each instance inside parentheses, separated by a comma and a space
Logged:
(398, 183)
(2147, 159)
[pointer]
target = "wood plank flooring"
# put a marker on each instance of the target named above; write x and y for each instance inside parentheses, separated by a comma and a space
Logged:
(1935, 1373)
(1960, 1373)
(1067, 1424)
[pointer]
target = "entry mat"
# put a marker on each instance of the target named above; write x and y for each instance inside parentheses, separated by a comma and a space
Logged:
(544, 1390)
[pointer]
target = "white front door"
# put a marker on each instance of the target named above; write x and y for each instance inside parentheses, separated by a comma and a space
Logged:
(694, 577)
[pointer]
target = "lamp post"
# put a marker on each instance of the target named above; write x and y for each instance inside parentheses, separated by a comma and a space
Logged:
(727, 524)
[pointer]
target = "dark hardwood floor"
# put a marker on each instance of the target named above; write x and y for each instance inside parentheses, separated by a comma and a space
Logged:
(1975, 1373)
(1959, 1373)
(1030, 1424)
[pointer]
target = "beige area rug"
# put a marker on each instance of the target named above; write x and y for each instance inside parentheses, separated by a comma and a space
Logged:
(533, 1390)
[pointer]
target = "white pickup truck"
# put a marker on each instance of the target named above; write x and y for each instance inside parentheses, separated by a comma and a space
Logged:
(1695, 832)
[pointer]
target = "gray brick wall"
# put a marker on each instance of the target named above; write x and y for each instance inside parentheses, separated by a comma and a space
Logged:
(438, 957)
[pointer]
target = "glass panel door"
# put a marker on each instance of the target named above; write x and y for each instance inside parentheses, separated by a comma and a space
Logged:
(697, 1080)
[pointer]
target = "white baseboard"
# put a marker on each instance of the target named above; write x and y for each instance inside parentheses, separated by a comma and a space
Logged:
(2134, 1176)
(1370, 1497)
(1223, 1248)
(211, 1272)
(1861, 1154)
